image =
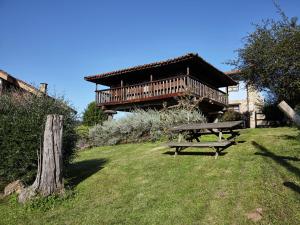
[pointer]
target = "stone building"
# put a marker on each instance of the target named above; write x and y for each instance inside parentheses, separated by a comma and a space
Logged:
(243, 98)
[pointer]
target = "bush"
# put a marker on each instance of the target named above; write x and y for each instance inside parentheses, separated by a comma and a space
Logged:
(82, 132)
(141, 125)
(93, 115)
(273, 114)
(22, 121)
(232, 115)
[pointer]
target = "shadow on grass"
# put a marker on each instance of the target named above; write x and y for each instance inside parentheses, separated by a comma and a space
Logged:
(79, 171)
(292, 186)
(283, 161)
(278, 156)
(291, 137)
(196, 153)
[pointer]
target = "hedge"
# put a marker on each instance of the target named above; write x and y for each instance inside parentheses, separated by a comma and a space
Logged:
(22, 120)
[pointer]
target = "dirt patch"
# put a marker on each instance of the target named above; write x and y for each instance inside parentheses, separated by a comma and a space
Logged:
(255, 215)
(221, 194)
(158, 148)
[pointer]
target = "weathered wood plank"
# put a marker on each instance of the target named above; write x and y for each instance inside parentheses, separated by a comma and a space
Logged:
(199, 144)
(200, 126)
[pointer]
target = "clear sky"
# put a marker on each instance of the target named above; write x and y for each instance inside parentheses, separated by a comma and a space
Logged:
(61, 41)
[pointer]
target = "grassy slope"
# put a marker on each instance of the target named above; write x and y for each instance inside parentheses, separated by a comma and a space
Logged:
(139, 184)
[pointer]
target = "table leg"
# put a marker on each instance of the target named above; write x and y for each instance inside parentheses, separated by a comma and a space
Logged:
(217, 152)
(176, 151)
(220, 135)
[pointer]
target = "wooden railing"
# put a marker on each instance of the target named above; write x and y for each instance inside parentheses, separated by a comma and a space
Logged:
(164, 87)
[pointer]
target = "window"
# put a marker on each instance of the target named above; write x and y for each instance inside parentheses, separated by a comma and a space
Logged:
(233, 88)
(235, 107)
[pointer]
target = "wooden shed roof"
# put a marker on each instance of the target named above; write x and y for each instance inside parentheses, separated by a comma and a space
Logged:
(190, 57)
(18, 83)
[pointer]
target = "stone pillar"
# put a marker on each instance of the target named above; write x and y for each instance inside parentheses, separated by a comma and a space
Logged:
(110, 114)
(43, 88)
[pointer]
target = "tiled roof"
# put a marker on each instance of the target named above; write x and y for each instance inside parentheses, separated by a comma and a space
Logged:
(148, 66)
(232, 72)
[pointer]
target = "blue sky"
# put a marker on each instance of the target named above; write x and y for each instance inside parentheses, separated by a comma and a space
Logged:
(60, 42)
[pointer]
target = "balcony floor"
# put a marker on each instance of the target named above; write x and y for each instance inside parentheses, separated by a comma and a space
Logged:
(156, 102)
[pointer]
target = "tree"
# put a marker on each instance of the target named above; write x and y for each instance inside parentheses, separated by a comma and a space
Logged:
(93, 115)
(270, 58)
(49, 179)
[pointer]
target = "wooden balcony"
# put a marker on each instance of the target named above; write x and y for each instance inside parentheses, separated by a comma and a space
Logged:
(160, 89)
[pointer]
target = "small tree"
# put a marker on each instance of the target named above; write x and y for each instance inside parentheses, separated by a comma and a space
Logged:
(93, 115)
(270, 58)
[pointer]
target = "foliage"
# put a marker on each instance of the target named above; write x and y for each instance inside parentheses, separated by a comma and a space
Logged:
(297, 109)
(144, 184)
(272, 112)
(82, 132)
(22, 120)
(270, 58)
(231, 115)
(93, 115)
(141, 125)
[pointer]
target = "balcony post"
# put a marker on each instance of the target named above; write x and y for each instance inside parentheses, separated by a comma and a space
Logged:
(227, 96)
(188, 71)
(151, 85)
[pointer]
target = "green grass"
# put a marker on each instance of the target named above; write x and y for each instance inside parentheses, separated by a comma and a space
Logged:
(142, 184)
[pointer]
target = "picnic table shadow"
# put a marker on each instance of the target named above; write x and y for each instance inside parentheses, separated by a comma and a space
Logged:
(79, 171)
(283, 161)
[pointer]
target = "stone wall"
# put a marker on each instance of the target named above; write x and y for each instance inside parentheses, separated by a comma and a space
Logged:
(253, 104)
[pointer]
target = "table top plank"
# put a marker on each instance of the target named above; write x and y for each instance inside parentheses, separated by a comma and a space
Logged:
(200, 126)
(199, 144)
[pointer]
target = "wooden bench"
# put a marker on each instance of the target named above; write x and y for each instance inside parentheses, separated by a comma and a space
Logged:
(217, 145)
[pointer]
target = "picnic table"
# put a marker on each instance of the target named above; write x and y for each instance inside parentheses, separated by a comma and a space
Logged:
(187, 133)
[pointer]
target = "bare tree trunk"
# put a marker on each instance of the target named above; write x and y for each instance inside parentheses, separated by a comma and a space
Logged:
(49, 179)
(289, 112)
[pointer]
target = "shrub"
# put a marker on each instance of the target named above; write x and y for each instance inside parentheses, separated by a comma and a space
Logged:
(232, 115)
(93, 115)
(141, 125)
(22, 120)
(82, 132)
(273, 113)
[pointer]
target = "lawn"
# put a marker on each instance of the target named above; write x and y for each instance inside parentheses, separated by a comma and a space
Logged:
(145, 184)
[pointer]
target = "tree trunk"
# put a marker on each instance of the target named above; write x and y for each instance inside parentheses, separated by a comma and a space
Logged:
(49, 179)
